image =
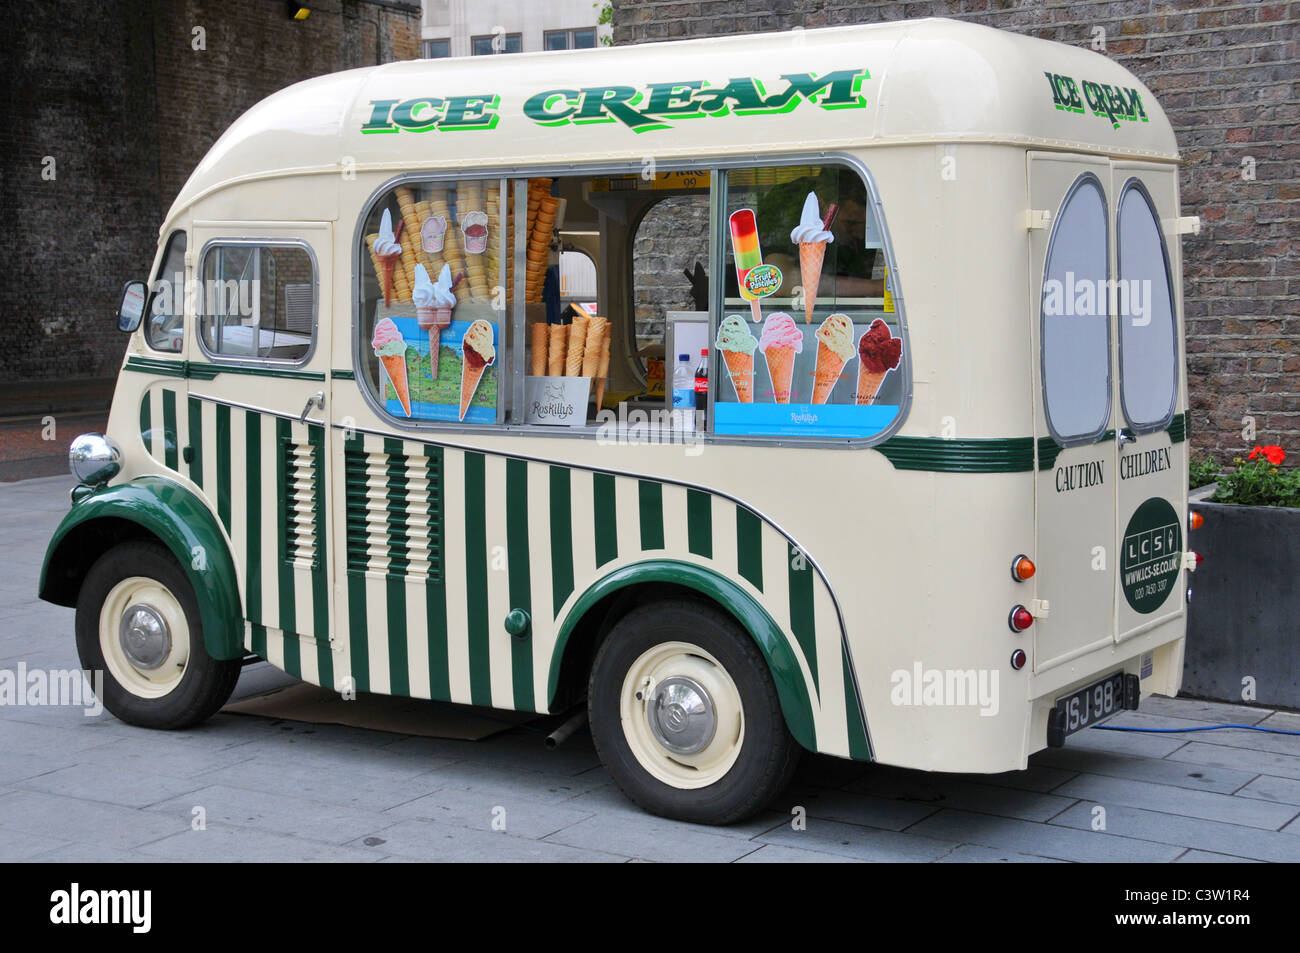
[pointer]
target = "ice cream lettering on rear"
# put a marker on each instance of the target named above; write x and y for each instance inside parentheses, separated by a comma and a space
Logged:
(878, 349)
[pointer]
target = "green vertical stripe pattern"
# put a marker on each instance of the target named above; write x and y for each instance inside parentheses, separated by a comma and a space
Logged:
(435, 591)
(288, 616)
(651, 498)
(171, 439)
(258, 640)
(699, 523)
(196, 440)
(476, 570)
(803, 613)
(859, 746)
(605, 517)
(319, 577)
(521, 650)
(358, 633)
(398, 561)
(223, 465)
(561, 538)
(253, 515)
(146, 421)
(749, 547)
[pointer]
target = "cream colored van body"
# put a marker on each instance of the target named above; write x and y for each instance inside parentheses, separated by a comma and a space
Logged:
(971, 138)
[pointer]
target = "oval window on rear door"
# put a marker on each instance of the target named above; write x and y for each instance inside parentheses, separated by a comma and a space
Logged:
(1148, 358)
(1076, 323)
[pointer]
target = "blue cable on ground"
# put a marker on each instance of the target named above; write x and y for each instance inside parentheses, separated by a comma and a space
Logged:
(1174, 731)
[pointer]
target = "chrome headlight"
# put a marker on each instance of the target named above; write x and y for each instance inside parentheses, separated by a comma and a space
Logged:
(94, 459)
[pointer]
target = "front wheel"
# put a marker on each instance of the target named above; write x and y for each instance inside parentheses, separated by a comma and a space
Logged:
(685, 715)
(138, 622)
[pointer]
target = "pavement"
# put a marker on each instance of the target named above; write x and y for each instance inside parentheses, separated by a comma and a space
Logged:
(37, 445)
(238, 788)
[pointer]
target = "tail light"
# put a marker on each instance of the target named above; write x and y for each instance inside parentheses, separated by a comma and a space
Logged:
(1195, 520)
(1199, 558)
(1020, 619)
(1018, 658)
(1022, 568)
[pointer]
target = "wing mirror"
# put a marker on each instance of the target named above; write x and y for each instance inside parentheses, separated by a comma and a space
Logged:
(134, 296)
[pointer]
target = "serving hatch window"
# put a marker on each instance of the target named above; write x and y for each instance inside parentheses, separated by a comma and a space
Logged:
(257, 301)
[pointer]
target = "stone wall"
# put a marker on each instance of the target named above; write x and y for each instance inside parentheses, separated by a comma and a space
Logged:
(1226, 74)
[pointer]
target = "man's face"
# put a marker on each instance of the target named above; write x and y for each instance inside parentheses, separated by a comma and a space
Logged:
(853, 220)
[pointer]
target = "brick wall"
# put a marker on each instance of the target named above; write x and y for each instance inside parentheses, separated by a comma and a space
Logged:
(1227, 75)
(126, 105)
(672, 237)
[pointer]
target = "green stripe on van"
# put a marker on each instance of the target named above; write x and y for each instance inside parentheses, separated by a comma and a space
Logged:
(476, 570)
(223, 465)
(146, 422)
(749, 547)
(699, 523)
(284, 564)
(171, 439)
(196, 441)
(435, 590)
(950, 455)
(257, 640)
(521, 650)
(605, 517)
(651, 499)
(803, 614)
(561, 538)
(319, 578)
(253, 515)
(859, 744)
(358, 634)
(399, 670)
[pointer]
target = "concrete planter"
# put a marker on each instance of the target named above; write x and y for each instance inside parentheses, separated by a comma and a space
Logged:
(1244, 616)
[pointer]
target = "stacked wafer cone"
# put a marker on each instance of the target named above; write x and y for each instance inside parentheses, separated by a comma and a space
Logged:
(470, 198)
(539, 340)
(542, 208)
(492, 258)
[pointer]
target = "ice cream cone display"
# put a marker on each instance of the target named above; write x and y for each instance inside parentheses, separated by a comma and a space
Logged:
(387, 252)
(538, 339)
(834, 349)
(780, 341)
(602, 372)
(477, 352)
(391, 351)
(812, 235)
(573, 360)
(737, 346)
(557, 352)
(474, 225)
(433, 304)
(878, 354)
(597, 330)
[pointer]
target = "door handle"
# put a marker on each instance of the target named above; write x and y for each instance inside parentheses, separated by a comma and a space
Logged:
(1125, 436)
(315, 400)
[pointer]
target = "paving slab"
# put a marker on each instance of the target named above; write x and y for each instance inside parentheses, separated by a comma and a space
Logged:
(1128, 824)
(1044, 840)
(446, 843)
(1170, 800)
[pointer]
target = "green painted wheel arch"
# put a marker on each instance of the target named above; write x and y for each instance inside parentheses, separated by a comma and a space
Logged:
(772, 642)
(183, 523)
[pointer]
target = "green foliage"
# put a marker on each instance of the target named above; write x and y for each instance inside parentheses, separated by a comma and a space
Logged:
(1202, 472)
(1258, 480)
(605, 17)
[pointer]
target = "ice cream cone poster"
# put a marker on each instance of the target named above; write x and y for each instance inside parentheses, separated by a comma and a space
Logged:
(766, 279)
(433, 234)
(830, 380)
(387, 251)
(812, 235)
(465, 386)
(433, 303)
(736, 345)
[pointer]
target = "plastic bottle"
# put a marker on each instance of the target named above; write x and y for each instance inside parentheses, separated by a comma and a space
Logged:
(683, 394)
(702, 387)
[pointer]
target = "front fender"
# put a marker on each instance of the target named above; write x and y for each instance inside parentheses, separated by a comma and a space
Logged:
(781, 662)
(183, 524)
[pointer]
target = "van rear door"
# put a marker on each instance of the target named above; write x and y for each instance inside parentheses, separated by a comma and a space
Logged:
(1074, 408)
(1151, 484)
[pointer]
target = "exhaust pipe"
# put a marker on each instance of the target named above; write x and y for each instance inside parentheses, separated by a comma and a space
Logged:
(561, 734)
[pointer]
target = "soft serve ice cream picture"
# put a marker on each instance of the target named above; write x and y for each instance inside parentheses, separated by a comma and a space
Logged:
(812, 234)
(736, 345)
(390, 348)
(433, 304)
(387, 251)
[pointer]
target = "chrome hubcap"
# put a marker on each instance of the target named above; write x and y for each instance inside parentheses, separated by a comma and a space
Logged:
(681, 715)
(144, 636)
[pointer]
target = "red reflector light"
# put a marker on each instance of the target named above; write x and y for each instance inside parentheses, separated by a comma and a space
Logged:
(1018, 659)
(1196, 520)
(1199, 558)
(1022, 568)
(1020, 619)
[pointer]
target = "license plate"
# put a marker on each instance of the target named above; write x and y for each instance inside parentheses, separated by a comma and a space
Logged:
(1089, 705)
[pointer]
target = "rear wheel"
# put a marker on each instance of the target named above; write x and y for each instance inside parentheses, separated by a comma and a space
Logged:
(685, 715)
(138, 622)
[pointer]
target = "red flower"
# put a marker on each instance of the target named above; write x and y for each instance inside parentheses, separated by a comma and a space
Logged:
(1273, 454)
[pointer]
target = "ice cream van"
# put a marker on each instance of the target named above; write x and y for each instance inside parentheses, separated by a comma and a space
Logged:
(819, 391)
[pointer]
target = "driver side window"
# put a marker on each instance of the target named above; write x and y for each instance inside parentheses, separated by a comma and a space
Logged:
(165, 327)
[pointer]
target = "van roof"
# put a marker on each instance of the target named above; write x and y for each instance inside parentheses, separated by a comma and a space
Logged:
(911, 81)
